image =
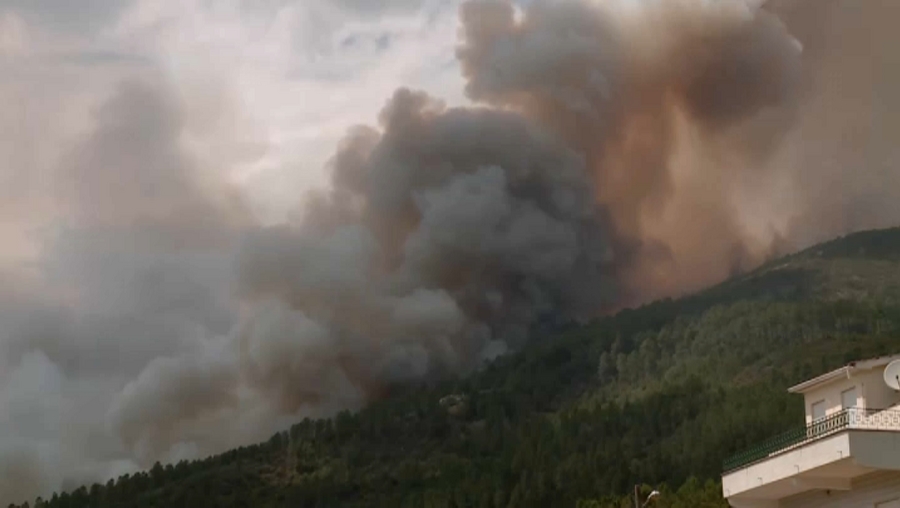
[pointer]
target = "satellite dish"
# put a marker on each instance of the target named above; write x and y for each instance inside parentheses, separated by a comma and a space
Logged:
(892, 375)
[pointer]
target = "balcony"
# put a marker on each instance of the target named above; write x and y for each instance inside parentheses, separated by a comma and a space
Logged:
(852, 418)
(827, 455)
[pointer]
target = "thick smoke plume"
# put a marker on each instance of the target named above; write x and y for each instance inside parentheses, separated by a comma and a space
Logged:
(614, 152)
(671, 104)
(444, 238)
(448, 233)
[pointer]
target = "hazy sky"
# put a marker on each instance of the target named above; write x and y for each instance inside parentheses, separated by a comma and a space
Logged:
(268, 86)
(174, 281)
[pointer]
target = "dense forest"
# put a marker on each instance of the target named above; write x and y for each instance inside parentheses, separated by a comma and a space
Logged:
(656, 396)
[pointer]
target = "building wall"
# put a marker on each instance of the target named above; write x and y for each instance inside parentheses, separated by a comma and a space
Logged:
(880, 396)
(868, 491)
(871, 392)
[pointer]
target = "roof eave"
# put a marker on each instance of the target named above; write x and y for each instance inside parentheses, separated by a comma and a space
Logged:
(824, 378)
(846, 370)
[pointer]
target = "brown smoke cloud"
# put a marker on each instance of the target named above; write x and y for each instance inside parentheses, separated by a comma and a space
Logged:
(841, 161)
(671, 103)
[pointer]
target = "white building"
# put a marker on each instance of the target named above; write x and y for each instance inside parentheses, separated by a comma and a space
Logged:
(847, 454)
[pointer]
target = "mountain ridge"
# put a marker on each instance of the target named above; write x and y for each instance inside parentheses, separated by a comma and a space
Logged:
(658, 395)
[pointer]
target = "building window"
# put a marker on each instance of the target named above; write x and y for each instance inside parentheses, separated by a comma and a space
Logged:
(818, 411)
(848, 398)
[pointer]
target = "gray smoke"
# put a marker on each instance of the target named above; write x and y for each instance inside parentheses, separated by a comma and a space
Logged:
(133, 285)
(444, 238)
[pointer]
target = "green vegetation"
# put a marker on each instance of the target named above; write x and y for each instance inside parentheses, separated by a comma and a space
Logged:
(657, 395)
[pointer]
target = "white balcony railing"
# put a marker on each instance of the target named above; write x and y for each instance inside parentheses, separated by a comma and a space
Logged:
(848, 419)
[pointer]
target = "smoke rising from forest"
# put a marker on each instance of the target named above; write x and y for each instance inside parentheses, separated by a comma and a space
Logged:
(613, 153)
(448, 233)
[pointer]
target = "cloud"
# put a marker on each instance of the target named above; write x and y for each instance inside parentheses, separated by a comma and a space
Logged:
(84, 16)
(13, 34)
(362, 6)
(134, 172)
(100, 58)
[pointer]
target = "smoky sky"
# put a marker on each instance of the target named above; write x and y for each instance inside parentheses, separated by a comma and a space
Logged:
(606, 154)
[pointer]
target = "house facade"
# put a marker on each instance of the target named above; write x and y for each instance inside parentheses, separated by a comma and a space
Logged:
(846, 455)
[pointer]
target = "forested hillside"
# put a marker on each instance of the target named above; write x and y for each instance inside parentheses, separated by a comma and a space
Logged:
(657, 395)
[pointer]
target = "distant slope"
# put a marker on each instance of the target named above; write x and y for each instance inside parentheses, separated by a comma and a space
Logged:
(867, 261)
(656, 395)
(859, 266)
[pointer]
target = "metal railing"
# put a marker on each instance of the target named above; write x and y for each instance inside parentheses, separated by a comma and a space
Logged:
(851, 418)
